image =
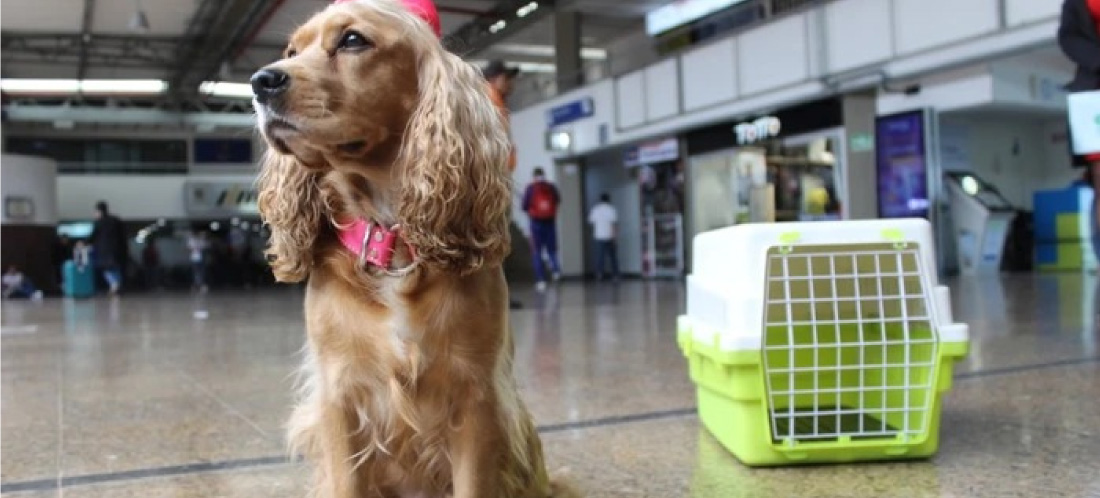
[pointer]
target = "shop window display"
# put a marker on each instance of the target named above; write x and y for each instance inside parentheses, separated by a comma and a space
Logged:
(662, 194)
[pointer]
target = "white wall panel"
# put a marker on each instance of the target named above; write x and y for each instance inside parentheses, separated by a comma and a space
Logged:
(773, 55)
(36, 179)
(709, 75)
(1023, 11)
(630, 99)
(857, 33)
(662, 90)
(1029, 87)
(130, 196)
(962, 93)
(923, 24)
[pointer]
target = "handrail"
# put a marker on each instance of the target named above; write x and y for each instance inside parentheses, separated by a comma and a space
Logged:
(124, 167)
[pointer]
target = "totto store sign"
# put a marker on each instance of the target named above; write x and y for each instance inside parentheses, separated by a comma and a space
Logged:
(759, 129)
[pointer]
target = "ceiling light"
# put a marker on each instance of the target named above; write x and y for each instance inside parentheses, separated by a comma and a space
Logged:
(527, 9)
(39, 86)
(531, 50)
(497, 26)
(524, 67)
(123, 86)
(90, 87)
(226, 89)
(140, 22)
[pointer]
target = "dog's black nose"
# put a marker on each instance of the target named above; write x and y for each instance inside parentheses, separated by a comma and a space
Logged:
(268, 83)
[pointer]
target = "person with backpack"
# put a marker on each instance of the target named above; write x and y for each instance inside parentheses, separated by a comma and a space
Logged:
(540, 202)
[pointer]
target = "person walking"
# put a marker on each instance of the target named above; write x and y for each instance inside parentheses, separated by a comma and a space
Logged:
(604, 220)
(150, 263)
(540, 201)
(1079, 38)
(198, 246)
(109, 243)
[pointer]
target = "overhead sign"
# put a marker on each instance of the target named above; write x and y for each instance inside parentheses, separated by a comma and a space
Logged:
(569, 112)
(681, 12)
(757, 130)
(657, 151)
(220, 198)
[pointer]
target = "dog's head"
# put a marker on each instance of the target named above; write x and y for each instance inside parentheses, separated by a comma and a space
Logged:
(367, 115)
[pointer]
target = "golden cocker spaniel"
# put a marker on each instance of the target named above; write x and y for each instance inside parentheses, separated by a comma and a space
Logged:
(386, 188)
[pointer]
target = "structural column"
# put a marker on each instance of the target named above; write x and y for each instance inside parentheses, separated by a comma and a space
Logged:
(28, 186)
(859, 127)
(567, 50)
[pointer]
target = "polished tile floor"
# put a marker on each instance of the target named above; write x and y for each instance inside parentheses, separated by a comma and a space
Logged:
(181, 396)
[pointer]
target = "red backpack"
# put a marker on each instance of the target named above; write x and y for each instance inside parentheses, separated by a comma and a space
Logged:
(543, 205)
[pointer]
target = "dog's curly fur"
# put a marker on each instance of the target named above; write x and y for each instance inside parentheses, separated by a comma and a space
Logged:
(408, 388)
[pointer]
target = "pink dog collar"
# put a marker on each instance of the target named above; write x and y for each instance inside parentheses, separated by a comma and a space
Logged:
(372, 243)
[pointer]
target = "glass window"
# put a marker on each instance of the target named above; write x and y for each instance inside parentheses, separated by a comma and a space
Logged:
(106, 155)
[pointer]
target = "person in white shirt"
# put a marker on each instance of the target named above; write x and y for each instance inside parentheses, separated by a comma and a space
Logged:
(197, 245)
(604, 220)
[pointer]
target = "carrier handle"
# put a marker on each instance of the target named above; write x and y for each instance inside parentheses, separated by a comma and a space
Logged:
(787, 240)
(896, 236)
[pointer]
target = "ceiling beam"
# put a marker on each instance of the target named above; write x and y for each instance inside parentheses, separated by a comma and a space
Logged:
(103, 50)
(85, 38)
(228, 24)
(66, 114)
(475, 36)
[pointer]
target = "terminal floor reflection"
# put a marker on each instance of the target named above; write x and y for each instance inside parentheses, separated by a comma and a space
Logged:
(179, 396)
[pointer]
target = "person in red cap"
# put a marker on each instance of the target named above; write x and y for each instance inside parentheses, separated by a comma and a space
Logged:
(500, 79)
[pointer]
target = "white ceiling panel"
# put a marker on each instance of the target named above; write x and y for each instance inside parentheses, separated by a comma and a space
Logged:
(166, 17)
(41, 15)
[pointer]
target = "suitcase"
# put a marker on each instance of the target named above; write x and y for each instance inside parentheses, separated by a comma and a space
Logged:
(78, 281)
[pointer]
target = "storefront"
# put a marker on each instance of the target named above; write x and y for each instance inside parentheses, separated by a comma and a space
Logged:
(659, 170)
(645, 182)
(783, 166)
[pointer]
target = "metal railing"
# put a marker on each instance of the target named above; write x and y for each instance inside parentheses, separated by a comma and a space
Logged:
(121, 167)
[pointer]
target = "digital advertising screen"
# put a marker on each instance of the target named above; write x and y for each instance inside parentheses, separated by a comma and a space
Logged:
(901, 158)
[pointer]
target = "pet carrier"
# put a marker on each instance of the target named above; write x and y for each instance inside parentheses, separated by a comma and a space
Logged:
(820, 342)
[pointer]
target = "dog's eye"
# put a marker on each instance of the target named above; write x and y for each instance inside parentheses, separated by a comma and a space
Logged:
(290, 52)
(353, 40)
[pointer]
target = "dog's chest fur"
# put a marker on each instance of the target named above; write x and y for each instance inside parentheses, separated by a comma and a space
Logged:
(392, 388)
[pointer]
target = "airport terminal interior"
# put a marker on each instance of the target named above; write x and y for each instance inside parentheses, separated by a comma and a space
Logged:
(753, 248)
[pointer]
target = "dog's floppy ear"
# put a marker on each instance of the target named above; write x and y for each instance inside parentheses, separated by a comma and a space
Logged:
(455, 185)
(291, 202)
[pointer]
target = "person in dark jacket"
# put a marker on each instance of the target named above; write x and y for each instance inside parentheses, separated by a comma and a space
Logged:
(1079, 37)
(109, 242)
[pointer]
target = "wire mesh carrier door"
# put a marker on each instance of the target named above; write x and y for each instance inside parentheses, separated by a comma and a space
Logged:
(849, 344)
